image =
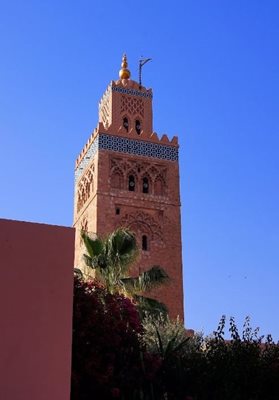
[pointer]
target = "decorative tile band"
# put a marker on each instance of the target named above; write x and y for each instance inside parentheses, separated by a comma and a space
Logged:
(132, 92)
(129, 146)
(90, 154)
(137, 147)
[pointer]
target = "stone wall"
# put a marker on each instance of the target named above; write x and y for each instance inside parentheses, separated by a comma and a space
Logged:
(36, 290)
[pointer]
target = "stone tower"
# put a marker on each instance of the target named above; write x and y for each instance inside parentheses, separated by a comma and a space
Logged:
(126, 176)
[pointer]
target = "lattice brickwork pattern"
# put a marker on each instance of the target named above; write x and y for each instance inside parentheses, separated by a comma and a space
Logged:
(132, 106)
(85, 188)
(105, 109)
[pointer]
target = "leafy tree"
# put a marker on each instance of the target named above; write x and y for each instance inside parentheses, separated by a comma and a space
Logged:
(269, 384)
(242, 368)
(178, 351)
(116, 354)
(236, 369)
(108, 358)
(112, 258)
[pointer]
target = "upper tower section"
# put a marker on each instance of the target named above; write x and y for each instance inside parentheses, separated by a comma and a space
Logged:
(126, 124)
(126, 106)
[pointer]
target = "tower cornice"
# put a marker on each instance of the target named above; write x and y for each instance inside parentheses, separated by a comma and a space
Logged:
(156, 148)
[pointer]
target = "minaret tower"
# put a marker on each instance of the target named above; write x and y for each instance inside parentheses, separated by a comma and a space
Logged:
(127, 176)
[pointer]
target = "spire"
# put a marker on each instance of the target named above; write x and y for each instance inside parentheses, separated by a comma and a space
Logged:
(124, 73)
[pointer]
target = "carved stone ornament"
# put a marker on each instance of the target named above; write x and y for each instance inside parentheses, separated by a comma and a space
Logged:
(85, 188)
(141, 222)
(121, 169)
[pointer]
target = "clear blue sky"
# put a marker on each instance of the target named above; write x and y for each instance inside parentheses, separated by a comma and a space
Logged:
(215, 80)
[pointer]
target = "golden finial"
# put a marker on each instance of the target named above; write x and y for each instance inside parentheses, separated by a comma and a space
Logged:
(124, 73)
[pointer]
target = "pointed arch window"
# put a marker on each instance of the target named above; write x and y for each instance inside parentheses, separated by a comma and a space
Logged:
(131, 184)
(138, 126)
(126, 123)
(145, 185)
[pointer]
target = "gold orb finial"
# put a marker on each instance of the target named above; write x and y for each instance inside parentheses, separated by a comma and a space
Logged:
(124, 73)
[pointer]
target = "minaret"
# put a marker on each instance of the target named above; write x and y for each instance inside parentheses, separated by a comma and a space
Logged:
(127, 176)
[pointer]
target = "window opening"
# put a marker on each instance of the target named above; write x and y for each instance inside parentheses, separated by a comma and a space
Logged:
(138, 126)
(126, 123)
(144, 243)
(131, 183)
(145, 185)
(117, 211)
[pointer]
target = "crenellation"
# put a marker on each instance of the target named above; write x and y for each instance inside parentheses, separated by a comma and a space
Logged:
(153, 138)
(86, 147)
(165, 139)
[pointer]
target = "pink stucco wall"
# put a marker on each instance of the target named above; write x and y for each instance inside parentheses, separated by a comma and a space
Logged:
(36, 286)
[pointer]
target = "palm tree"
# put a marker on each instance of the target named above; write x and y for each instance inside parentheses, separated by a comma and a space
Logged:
(112, 258)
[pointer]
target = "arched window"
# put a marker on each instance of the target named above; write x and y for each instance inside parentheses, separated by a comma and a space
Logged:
(145, 185)
(138, 126)
(131, 186)
(144, 243)
(126, 123)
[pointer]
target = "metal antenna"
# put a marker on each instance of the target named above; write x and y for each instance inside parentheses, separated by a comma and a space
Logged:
(142, 61)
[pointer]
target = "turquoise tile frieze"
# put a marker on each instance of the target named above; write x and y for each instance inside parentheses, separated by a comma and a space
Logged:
(89, 155)
(128, 146)
(132, 92)
(138, 147)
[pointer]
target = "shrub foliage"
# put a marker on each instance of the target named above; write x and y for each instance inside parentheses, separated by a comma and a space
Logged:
(106, 349)
(116, 355)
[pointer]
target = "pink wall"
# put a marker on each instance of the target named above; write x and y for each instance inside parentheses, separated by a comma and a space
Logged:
(36, 285)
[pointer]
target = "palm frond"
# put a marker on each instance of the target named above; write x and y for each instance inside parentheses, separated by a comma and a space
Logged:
(149, 306)
(160, 347)
(111, 258)
(122, 249)
(124, 241)
(181, 345)
(94, 247)
(88, 260)
(172, 346)
(147, 280)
